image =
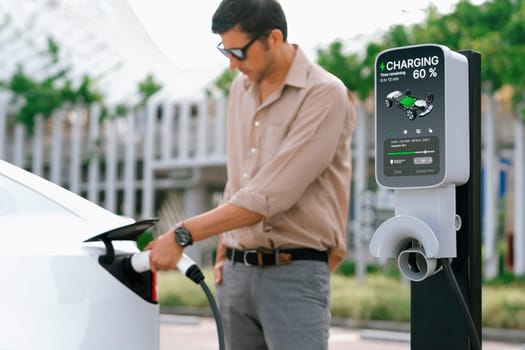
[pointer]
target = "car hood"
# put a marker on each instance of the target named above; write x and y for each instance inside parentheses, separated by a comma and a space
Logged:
(57, 232)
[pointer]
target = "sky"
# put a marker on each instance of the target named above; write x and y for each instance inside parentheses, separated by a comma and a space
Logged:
(182, 29)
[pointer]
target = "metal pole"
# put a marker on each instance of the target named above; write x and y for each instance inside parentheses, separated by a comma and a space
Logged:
(519, 197)
(490, 189)
(437, 320)
(360, 185)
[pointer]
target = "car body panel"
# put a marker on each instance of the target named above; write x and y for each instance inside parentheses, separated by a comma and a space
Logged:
(68, 302)
(55, 293)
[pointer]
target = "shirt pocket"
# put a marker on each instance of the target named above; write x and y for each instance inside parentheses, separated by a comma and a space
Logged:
(271, 140)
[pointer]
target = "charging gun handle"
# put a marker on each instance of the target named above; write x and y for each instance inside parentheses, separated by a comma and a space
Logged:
(140, 262)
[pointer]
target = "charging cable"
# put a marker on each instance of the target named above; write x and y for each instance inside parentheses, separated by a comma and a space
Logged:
(140, 263)
(454, 283)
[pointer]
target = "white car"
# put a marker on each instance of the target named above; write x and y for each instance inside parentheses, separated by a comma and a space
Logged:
(65, 277)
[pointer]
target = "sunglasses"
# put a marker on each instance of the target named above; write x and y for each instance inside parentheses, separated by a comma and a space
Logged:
(238, 53)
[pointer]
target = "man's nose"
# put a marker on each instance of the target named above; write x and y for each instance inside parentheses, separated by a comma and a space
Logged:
(234, 63)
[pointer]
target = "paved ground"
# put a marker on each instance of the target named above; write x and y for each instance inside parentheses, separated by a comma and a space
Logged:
(200, 333)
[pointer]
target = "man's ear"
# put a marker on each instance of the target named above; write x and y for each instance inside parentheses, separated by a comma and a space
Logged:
(275, 38)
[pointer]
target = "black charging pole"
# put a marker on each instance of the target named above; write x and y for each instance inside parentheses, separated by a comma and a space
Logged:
(438, 321)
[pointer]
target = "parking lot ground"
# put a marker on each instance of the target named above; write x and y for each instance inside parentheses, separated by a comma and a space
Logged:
(200, 333)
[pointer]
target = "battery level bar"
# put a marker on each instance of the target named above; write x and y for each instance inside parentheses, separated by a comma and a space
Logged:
(403, 153)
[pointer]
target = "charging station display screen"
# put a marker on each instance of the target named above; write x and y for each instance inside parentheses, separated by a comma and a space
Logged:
(410, 118)
(411, 156)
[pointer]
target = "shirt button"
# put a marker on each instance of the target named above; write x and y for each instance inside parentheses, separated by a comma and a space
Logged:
(245, 175)
(257, 123)
(253, 149)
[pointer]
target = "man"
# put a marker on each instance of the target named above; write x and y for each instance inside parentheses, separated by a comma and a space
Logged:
(283, 221)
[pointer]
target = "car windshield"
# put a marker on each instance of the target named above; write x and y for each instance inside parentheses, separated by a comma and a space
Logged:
(17, 199)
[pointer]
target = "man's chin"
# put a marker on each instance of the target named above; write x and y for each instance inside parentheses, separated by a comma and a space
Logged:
(254, 78)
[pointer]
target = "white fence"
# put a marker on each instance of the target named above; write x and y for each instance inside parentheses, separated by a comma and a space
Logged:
(113, 162)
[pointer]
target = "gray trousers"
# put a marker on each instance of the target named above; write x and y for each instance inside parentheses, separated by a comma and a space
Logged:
(283, 307)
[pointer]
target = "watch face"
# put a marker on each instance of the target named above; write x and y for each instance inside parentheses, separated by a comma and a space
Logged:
(182, 236)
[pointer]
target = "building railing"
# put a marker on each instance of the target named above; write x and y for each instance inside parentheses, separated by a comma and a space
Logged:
(114, 161)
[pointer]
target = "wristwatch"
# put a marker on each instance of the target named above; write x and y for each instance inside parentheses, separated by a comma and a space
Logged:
(183, 236)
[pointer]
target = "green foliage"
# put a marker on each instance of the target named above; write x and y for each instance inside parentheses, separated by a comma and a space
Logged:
(144, 239)
(379, 297)
(33, 97)
(506, 279)
(505, 305)
(86, 92)
(398, 35)
(43, 97)
(353, 72)
(494, 28)
(121, 110)
(348, 269)
(147, 88)
(224, 81)
(53, 49)
(175, 289)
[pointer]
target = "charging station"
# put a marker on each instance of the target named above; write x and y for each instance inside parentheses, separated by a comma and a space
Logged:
(427, 118)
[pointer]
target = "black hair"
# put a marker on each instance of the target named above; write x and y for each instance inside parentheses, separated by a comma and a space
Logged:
(253, 17)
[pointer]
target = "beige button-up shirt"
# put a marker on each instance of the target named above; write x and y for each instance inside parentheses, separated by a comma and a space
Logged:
(289, 160)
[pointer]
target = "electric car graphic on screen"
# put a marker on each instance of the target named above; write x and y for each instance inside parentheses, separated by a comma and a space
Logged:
(66, 283)
(412, 106)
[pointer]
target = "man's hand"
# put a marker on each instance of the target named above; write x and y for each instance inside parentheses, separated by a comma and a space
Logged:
(336, 257)
(165, 252)
(219, 261)
(217, 271)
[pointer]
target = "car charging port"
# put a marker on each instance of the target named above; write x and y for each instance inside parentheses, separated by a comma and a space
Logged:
(143, 283)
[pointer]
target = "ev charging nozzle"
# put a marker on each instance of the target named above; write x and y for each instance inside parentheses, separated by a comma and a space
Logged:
(140, 263)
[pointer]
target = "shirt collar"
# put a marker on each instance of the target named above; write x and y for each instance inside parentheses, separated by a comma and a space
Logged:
(297, 73)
